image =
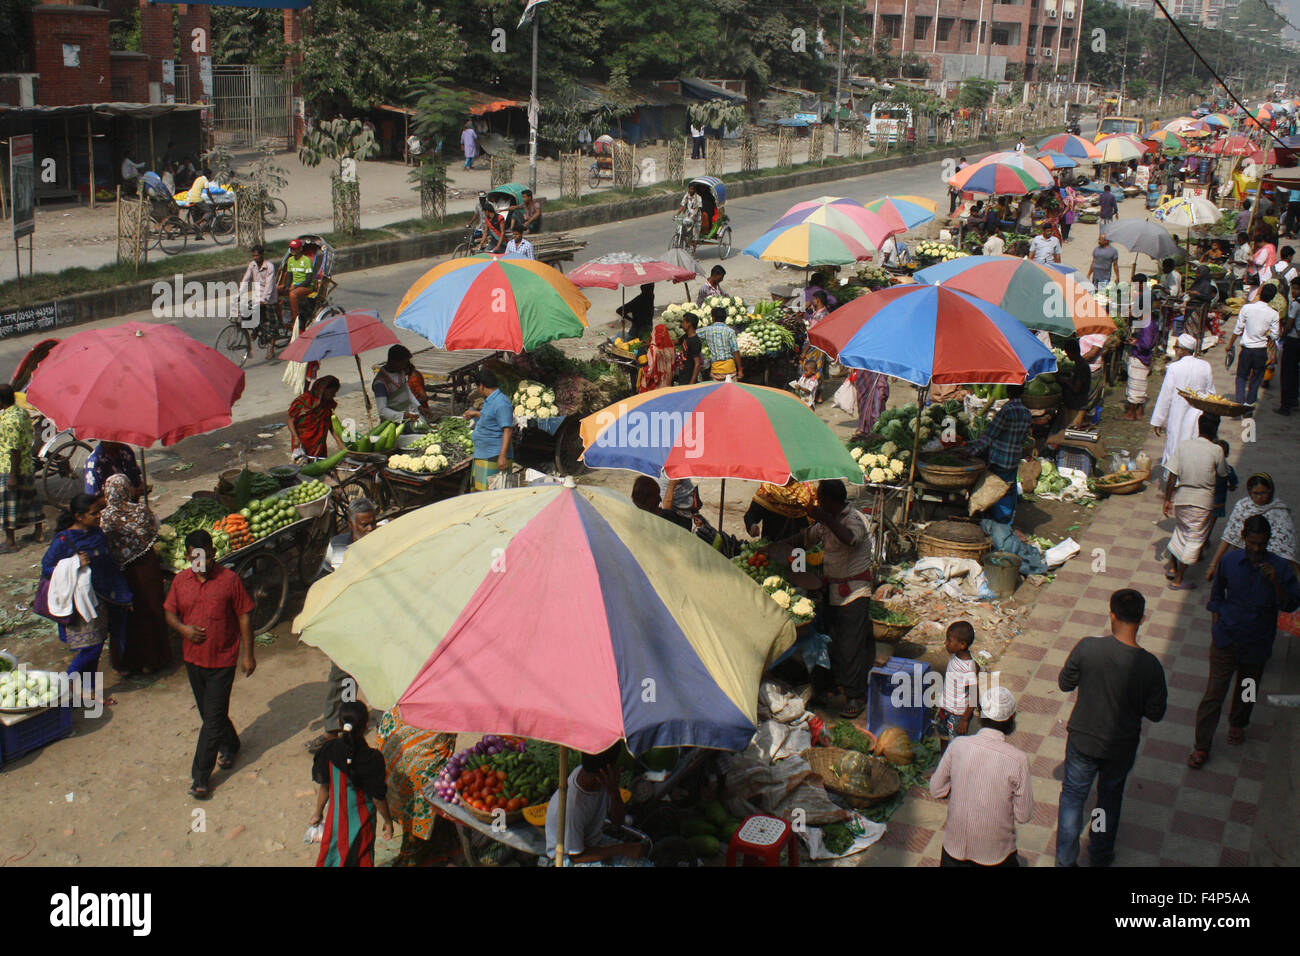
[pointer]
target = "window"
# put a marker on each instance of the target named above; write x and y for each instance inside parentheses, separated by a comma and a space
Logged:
(922, 28)
(893, 26)
(1001, 36)
(1067, 38)
(945, 28)
(1033, 36)
(967, 31)
(1049, 37)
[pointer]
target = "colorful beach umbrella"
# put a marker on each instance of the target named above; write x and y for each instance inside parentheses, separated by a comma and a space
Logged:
(907, 211)
(1177, 124)
(1166, 140)
(926, 334)
(556, 613)
(1120, 148)
(717, 430)
(843, 215)
(1003, 174)
(1232, 146)
(1054, 160)
(1039, 297)
(1218, 119)
(808, 244)
(493, 302)
(1076, 147)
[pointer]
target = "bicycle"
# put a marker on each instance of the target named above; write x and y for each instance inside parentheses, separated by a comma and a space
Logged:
(884, 515)
(274, 211)
(174, 233)
(236, 340)
(59, 463)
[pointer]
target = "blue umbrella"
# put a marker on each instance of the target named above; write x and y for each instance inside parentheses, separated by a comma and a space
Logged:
(1058, 160)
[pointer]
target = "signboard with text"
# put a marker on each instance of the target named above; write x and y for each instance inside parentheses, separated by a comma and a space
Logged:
(33, 318)
(22, 183)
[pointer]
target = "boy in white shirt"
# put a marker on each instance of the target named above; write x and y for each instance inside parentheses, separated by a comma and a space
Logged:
(959, 683)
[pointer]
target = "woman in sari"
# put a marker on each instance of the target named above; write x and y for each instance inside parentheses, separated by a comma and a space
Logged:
(780, 511)
(873, 394)
(19, 504)
(310, 416)
(813, 362)
(350, 780)
(658, 369)
(131, 530)
(414, 758)
(1259, 500)
(79, 536)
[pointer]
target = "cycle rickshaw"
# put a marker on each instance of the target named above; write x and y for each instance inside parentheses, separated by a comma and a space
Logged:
(498, 201)
(58, 457)
(176, 220)
(603, 167)
(713, 228)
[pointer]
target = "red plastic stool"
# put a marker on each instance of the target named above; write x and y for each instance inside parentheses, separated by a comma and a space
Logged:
(760, 838)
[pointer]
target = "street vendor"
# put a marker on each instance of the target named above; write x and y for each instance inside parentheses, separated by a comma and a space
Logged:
(639, 311)
(780, 511)
(713, 286)
(309, 419)
(392, 388)
(591, 798)
(724, 349)
(647, 496)
(842, 532)
(493, 432)
(1002, 445)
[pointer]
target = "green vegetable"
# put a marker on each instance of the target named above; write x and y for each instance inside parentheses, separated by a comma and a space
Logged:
(714, 812)
(705, 847)
(698, 827)
(837, 838)
(325, 465)
(848, 737)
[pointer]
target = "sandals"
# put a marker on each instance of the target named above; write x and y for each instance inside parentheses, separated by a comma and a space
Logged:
(1185, 586)
(1236, 736)
(225, 761)
(1197, 758)
(200, 793)
(853, 709)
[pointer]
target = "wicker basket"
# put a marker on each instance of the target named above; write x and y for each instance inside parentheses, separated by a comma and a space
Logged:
(953, 539)
(861, 780)
(1224, 409)
(1042, 402)
(950, 476)
(485, 816)
(891, 632)
(1123, 487)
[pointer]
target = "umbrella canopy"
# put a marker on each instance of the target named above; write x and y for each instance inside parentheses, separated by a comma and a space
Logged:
(682, 260)
(351, 333)
(1144, 237)
(1119, 148)
(808, 244)
(1177, 124)
(1219, 120)
(621, 269)
(136, 383)
(555, 613)
(491, 302)
(843, 215)
(906, 212)
(1232, 146)
(1003, 174)
(1188, 213)
(926, 334)
(1054, 160)
(1039, 297)
(717, 430)
(1076, 147)
(1166, 140)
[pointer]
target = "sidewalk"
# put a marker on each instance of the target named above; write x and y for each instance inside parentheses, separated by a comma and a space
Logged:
(1172, 815)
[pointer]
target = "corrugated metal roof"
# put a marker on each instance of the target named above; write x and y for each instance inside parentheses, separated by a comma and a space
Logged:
(134, 110)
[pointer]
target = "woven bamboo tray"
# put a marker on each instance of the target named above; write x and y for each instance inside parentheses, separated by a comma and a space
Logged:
(513, 816)
(953, 539)
(1224, 409)
(1123, 487)
(1042, 402)
(861, 780)
(950, 476)
(891, 632)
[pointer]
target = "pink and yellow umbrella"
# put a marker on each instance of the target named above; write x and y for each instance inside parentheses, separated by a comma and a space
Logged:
(843, 215)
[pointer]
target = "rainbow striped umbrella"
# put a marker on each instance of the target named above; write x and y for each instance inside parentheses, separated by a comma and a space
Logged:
(1120, 148)
(493, 302)
(1003, 174)
(843, 215)
(926, 334)
(1218, 119)
(1076, 147)
(1040, 297)
(1167, 140)
(808, 244)
(717, 430)
(556, 613)
(1055, 160)
(906, 212)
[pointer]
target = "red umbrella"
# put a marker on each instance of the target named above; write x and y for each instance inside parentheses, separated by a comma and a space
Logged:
(620, 269)
(136, 383)
(1232, 146)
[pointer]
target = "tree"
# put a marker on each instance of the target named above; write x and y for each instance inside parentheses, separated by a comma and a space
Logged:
(975, 93)
(345, 142)
(247, 36)
(439, 112)
(1138, 89)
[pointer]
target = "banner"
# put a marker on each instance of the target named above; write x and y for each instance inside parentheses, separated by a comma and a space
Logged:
(22, 183)
(529, 7)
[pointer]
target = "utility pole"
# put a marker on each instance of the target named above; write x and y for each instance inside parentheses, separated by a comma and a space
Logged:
(533, 110)
(839, 79)
(1163, 63)
(988, 47)
(1123, 79)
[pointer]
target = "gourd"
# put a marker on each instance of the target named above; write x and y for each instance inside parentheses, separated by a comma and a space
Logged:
(894, 745)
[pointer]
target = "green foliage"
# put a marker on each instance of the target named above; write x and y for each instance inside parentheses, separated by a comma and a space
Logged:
(247, 36)
(221, 161)
(15, 32)
(975, 93)
(124, 32)
(337, 139)
(717, 113)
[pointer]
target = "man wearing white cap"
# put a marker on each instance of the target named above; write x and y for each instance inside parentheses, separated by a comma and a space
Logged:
(989, 789)
(1173, 417)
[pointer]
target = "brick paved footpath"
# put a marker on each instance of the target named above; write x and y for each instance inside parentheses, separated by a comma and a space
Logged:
(1172, 815)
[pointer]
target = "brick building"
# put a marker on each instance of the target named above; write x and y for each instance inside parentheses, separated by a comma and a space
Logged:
(961, 38)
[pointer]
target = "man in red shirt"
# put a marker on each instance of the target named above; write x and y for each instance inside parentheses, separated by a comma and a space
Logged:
(209, 607)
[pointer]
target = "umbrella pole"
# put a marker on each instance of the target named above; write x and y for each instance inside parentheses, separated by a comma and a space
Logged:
(364, 394)
(722, 502)
(564, 805)
(144, 476)
(622, 313)
(921, 392)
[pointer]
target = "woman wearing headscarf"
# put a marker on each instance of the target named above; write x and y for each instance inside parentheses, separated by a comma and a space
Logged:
(79, 536)
(658, 369)
(1200, 296)
(131, 530)
(19, 504)
(780, 511)
(873, 395)
(1259, 500)
(813, 361)
(1142, 345)
(310, 416)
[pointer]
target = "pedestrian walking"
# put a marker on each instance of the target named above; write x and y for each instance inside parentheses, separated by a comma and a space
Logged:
(469, 143)
(697, 142)
(1289, 360)
(1109, 208)
(1118, 684)
(1194, 470)
(1257, 324)
(1250, 588)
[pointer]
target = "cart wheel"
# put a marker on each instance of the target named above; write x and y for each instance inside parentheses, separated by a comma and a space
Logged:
(65, 470)
(329, 312)
(568, 448)
(311, 552)
(222, 228)
(636, 176)
(358, 486)
(724, 242)
(593, 176)
(461, 251)
(235, 344)
(274, 212)
(267, 583)
(173, 235)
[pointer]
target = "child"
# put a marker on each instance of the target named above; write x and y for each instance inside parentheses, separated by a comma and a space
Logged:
(958, 705)
(351, 780)
(1221, 488)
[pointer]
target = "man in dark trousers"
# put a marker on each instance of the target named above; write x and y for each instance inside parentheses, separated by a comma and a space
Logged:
(1119, 683)
(1109, 208)
(1250, 587)
(209, 607)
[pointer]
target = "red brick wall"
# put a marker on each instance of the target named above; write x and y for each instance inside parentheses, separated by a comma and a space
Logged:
(130, 77)
(87, 27)
(194, 18)
(157, 40)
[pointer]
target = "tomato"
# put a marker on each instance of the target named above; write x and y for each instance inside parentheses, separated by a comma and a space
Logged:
(501, 775)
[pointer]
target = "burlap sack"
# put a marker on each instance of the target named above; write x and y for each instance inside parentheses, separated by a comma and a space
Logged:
(987, 493)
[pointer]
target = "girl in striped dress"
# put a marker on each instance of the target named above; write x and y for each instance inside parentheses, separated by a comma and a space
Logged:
(351, 783)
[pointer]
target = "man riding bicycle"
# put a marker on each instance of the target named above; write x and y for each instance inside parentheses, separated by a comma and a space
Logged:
(297, 281)
(258, 289)
(489, 228)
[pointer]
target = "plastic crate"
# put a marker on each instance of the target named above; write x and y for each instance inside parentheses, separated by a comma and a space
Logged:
(33, 733)
(1095, 415)
(1074, 458)
(881, 712)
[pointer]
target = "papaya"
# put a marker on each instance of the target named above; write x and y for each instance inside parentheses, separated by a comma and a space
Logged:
(364, 444)
(694, 828)
(705, 847)
(324, 466)
(714, 812)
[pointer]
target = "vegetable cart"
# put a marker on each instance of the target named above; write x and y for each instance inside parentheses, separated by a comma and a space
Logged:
(450, 374)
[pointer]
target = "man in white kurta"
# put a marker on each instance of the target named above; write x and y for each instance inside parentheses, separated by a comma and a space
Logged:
(1173, 416)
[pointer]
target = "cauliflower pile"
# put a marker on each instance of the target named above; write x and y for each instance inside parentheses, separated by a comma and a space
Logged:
(672, 317)
(428, 460)
(749, 344)
(534, 400)
(800, 608)
(878, 469)
(737, 312)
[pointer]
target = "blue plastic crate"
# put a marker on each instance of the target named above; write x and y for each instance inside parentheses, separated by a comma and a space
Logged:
(881, 683)
(35, 732)
(1075, 458)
